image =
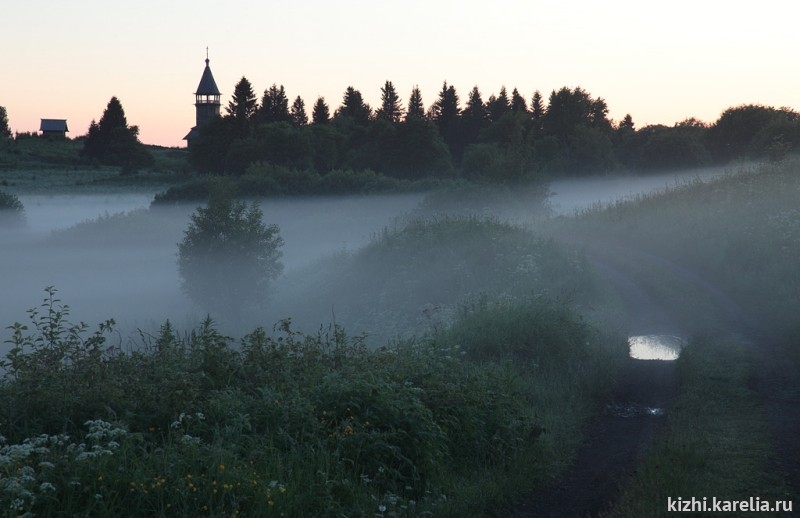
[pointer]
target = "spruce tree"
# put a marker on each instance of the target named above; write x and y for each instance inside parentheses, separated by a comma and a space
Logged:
(518, 104)
(415, 106)
(243, 106)
(353, 106)
(321, 113)
(5, 130)
(390, 109)
(111, 141)
(298, 112)
(537, 107)
(498, 106)
(274, 105)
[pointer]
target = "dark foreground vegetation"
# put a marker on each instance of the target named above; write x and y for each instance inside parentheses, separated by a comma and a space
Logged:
(293, 424)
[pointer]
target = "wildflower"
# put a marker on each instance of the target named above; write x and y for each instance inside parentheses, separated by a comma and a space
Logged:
(381, 508)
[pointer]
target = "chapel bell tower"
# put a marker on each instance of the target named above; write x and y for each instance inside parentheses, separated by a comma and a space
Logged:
(207, 103)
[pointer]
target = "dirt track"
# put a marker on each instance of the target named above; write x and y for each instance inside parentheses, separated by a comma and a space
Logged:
(617, 439)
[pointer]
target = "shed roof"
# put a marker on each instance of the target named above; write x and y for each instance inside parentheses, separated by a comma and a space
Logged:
(207, 84)
(54, 125)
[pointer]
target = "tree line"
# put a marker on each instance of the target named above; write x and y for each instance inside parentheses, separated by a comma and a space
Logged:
(503, 138)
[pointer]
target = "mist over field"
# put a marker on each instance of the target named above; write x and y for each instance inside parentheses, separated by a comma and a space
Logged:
(111, 255)
(494, 316)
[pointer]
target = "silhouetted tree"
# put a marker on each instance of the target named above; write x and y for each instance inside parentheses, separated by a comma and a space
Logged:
(390, 109)
(242, 106)
(209, 149)
(353, 106)
(731, 135)
(415, 107)
(113, 142)
(474, 116)
(518, 104)
(298, 112)
(567, 109)
(321, 113)
(445, 113)
(626, 124)
(498, 106)
(274, 106)
(537, 111)
(228, 256)
(5, 130)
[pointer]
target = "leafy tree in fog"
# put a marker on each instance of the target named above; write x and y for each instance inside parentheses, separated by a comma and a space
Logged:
(113, 142)
(12, 213)
(228, 256)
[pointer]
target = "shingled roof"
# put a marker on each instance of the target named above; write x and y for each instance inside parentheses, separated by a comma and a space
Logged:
(207, 84)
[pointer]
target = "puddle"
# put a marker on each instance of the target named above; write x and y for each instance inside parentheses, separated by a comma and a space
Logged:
(655, 347)
(633, 410)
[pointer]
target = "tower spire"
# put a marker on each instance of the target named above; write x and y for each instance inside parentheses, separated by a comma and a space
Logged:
(207, 101)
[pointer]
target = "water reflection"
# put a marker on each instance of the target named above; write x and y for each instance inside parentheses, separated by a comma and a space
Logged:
(655, 347)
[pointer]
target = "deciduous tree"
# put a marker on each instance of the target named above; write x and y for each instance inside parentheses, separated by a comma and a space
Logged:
(228, 256)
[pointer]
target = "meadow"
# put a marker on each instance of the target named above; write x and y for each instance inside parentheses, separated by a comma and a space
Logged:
(447, 366)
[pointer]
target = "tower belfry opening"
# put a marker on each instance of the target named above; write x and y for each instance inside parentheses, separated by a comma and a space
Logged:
(207, 102)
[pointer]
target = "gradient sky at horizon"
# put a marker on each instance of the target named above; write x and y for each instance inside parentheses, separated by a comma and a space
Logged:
(659, 61)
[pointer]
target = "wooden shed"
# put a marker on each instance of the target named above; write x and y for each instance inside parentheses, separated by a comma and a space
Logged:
(54, 127)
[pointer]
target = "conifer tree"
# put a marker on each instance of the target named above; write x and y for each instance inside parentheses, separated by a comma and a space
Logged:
(518, 104)
(243, 106)
(298, 112)
(415, 106)
(5, 130)
(111, 141)
(274, 105)
(445, 110)
(475, 110)
(537, 108)
(390, 109)
(497, 106)
(321, 113)
(353, 106)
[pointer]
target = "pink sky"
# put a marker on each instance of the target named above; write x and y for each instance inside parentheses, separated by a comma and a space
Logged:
(660, 62)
